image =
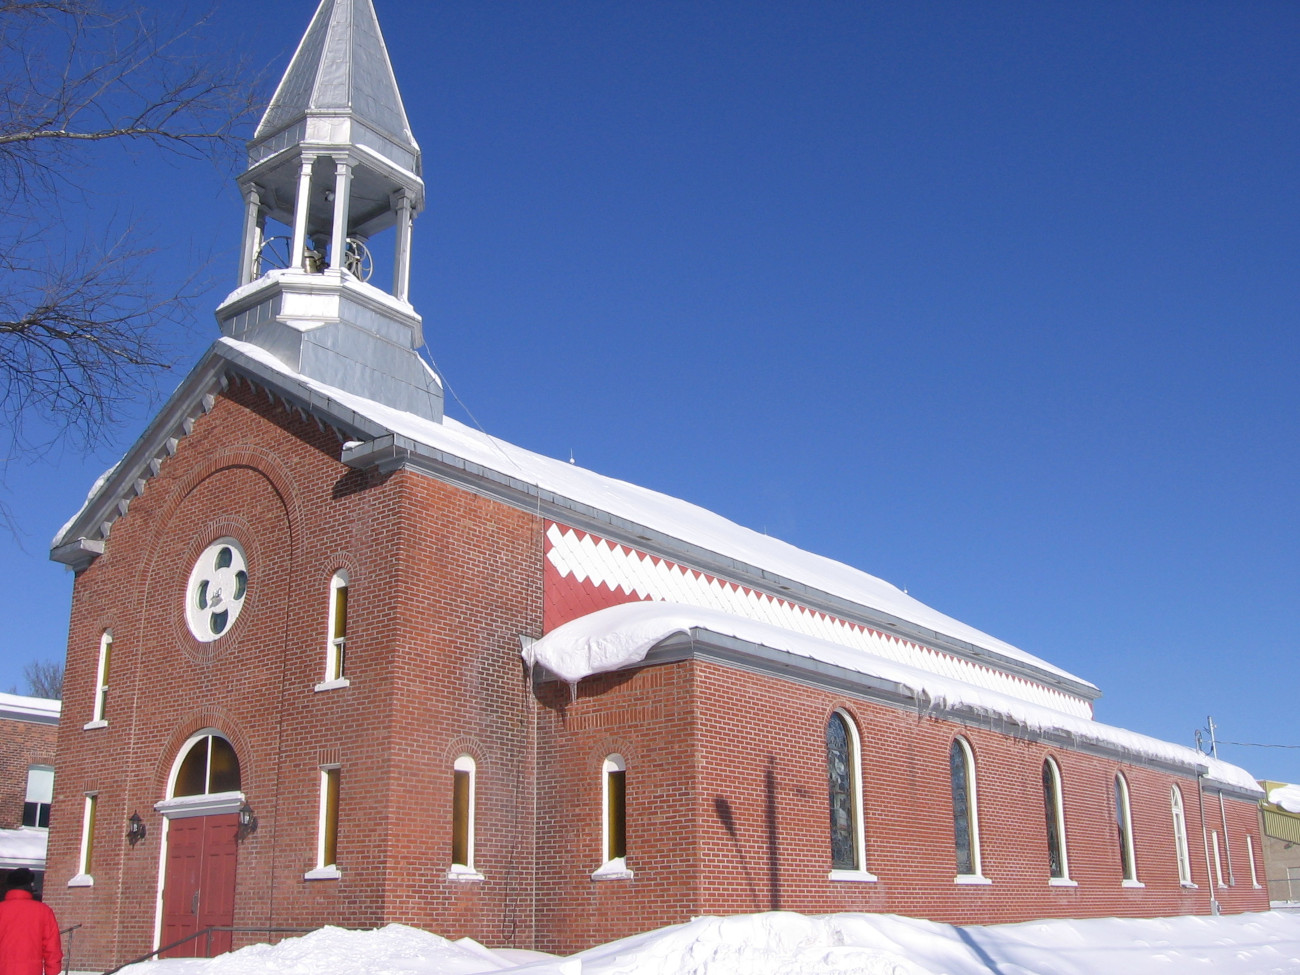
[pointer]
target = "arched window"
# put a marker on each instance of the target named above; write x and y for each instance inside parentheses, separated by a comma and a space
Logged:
(965, 810)
(1180, 837)
(209, 766)
(1124, 829)
(327, 825)
(843, 762)
(614, 832)
(1058, 857)
(464, 781)
(98, 717)
(336, 647)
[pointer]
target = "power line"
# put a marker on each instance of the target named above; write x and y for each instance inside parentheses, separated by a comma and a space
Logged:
(1254, 744)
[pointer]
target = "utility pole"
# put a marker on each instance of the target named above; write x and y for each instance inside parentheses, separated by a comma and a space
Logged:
(1214, 746)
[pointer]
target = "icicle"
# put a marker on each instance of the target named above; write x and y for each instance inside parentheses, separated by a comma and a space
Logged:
(573, 691)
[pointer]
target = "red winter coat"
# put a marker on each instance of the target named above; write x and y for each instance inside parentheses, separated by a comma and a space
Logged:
(29, 937)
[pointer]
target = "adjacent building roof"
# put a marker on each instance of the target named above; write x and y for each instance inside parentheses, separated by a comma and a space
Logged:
(39, 710)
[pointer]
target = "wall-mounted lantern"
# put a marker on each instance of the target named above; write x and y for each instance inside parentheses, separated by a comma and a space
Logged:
(247, 822)
(136, 830)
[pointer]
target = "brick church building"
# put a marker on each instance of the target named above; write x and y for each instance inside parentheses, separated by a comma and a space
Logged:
(335, 658)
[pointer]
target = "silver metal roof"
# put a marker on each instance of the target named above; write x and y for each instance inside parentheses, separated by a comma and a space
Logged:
(341, 70)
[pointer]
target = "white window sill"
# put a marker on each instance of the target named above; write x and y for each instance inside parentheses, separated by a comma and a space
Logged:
(853, 876)
(329, 685)
(613, 870)
(971, 880)
(463, 874)
(1190, 886)
(82, 880)
(1134, 884)
(1062, 882)
(92, 725)
(323, 873)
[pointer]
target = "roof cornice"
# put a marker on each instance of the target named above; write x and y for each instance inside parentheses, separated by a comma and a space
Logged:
(395, 452)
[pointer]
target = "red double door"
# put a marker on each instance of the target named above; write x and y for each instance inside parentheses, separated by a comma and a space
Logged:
(199, 889)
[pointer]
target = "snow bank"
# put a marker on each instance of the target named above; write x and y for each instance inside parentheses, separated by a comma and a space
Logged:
(392, 949)
(784, 943)
(621, 636)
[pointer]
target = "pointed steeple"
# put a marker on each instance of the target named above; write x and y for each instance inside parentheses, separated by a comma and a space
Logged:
(334, 162)
(341, 72)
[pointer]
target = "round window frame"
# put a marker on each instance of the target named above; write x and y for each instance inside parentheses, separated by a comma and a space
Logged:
(200, 612)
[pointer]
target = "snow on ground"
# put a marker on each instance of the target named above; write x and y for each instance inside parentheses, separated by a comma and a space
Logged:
(785, 943)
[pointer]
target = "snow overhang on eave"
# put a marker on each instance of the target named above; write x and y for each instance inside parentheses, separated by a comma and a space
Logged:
(82, 539)
(394, 452)
(915, 691)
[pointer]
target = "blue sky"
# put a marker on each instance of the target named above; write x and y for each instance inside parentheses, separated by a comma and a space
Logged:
(996, 301)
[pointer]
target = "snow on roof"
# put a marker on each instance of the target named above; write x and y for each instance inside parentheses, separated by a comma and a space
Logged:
(23, 848)
(621, 636)
(1286, 796)
(90, 496)
(659, 512)
(19, 708)
(784, 942)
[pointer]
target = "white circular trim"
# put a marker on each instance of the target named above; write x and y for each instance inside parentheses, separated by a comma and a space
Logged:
(215, 592)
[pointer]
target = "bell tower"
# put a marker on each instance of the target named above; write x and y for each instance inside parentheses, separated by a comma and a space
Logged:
(334, 173)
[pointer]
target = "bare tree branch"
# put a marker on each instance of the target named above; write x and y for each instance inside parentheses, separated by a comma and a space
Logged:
(44, 679)
(83, 322)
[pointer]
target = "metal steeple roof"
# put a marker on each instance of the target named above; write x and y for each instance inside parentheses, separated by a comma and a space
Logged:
(341, 69)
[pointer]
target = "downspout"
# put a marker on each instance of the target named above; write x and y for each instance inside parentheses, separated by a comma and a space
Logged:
(1201, 772)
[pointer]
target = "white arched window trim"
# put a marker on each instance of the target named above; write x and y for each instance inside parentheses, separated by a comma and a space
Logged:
(464, 819)
(1179, 816)
(1057, 812)
(336, 634)
(861, 874)
(86, 854)
(206, 804)
(327, 825)
(1124, 823)
(973, 816)
(98, 714)
(613, 809)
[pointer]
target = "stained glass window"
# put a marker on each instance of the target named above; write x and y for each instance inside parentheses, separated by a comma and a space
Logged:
(840, 786)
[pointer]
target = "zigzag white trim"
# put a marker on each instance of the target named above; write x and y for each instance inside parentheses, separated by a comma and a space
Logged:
(594, 561)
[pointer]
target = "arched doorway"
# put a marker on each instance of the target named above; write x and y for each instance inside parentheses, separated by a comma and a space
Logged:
(202, 810)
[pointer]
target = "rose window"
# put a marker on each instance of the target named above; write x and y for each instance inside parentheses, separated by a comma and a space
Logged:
(216, 590)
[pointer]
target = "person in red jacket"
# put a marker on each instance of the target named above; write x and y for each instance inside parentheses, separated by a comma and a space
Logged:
(29, 934)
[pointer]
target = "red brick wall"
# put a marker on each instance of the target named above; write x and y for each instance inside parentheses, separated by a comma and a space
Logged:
(437, 598)
(468, 586)
(22, 743)
(647, 716)
(736, 820)
(774, 780)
